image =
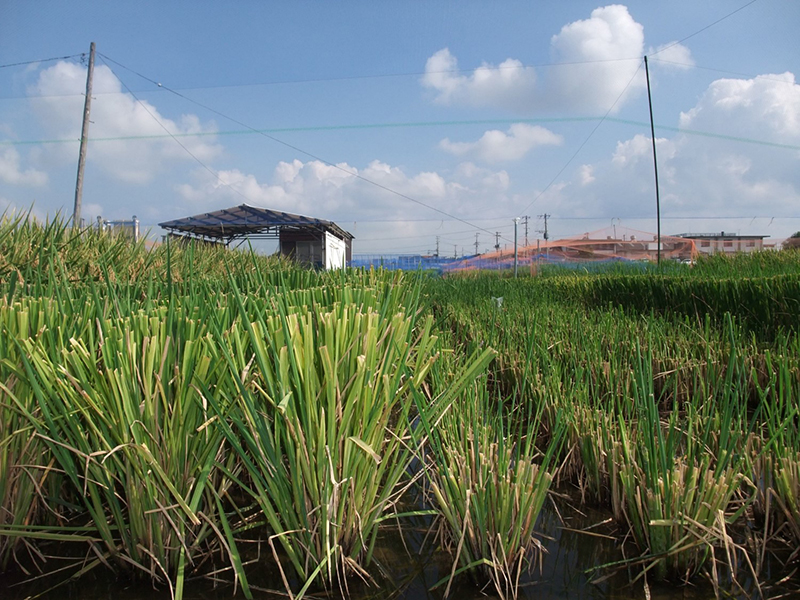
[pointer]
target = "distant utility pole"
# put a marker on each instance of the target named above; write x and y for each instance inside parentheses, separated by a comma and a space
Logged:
(87, 106)
(455, 250)
(437, 247)
(525, 220)
(655, 160)
(516, 222)
(544, 231)
(546, 235)
(497, 241)
(476, 244)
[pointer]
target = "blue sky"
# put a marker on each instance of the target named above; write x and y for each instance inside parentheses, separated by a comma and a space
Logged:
(408, 121)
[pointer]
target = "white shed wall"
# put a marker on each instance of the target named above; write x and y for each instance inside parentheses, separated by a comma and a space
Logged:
(335, 252)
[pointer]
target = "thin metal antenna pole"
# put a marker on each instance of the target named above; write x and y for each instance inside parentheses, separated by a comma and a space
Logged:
(516, 222)
(87, 106)
(655, 159)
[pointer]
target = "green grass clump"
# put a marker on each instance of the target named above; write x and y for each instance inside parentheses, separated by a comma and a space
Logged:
(162, 407)
(489, 478)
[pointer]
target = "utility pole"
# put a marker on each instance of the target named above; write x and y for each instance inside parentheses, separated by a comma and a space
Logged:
(437, 247)
(476, 244)
(516, 222)
(497, 241)
(655, 160)
(455, 250)
(544, 231)
(546, 235)
(525, 220)
(87, 106)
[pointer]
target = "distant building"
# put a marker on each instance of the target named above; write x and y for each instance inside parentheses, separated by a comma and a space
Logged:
(615, 243)
(308, 240)
(128, 229)
(711, 243)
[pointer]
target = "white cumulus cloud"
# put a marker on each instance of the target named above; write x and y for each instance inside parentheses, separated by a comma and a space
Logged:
(672, 55)
(766, 107)
(498, 146)
(117, 115)
(600, 59)
(347, 195)
(510, 84)
(586, 174)
(752, 168)
(12, 173)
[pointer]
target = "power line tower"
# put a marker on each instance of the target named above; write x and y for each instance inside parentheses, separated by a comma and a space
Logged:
(476, 244)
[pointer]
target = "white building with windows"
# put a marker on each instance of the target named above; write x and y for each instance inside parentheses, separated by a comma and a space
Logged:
(711, 243)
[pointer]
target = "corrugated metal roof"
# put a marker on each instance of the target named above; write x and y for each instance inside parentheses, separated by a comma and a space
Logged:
(243, 220)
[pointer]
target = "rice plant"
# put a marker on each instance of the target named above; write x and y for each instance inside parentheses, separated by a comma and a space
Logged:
(128, 428)
(320, 424)
(158, 405)
(678, 479)
(777, 455)
(489, 475)
(29, 479)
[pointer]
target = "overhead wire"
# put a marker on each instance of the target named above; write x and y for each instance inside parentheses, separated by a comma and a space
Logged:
(591, 133)
(302, 151)
(353, 77)
(418, 73)
(723, 71)
(701, 30)
(356, 174)
(177, 141)
(41, 60)
(350, 127)
(674, 218)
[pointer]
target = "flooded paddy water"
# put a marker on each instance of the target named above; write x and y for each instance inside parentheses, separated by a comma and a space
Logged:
(409, 564)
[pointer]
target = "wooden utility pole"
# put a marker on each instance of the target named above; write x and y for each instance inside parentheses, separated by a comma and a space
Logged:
(655, 160)
(87, 106)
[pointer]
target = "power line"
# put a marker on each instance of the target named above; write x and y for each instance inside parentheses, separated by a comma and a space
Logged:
(591, 133)
(677, 217)
(41, 60)
(177, 141)
(226, 86)
(349, 77)
(447, 233)
(360, 220)
(347, 126)
(405, 74)
(724, 71)
(557, 218)
(300, 150)
(631, 122)
(709, 26)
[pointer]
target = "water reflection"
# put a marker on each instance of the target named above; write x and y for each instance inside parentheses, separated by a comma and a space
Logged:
(408, 564)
